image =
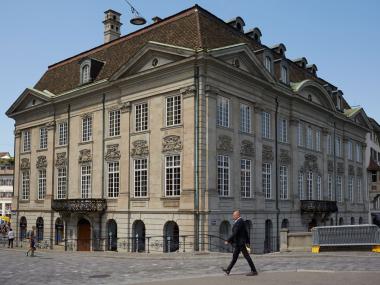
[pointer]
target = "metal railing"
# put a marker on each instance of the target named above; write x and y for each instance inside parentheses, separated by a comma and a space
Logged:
(354, 235)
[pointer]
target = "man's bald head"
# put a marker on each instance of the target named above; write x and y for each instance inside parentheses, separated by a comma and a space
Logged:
(236, 215)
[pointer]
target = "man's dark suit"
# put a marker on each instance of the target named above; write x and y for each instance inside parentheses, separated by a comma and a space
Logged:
(239, 239)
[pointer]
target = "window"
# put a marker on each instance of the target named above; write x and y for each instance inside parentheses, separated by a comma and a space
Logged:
(86, 129)
(300, 185)
(377, 203)
(173, 175)
(62, 133)
(141, 117)
(85, 73)
(283, 182)
(85, 181)
(223, 112)
(267, 180)
(268, 63)
(329, 145)
(25, 185)
(339, 193)
(300, 134)
(265, 125)
(374, 176)
(245, 118)
(309, 189)
(43, 138)
(41, 184)
(349, 150)
(309, 138)
(284, 74)
(358, 153)
(173, 110)
(114, 123)
(141, 177)
(113, 179)
(223, 164)
(246, 178)
(359, 189)
(62, 183)
(330, 187)
(338, 146)
(351, 189)
(318, 140)
(26, 140)
(283, 130)
(319, 189)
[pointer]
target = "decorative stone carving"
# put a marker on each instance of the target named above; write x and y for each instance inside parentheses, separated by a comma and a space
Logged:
(247, 148)
(171, 143)
(85, 156)
(224, 143)
(311, 163)
(284, 156)
(125, 107)
(61, 160)
(25, 163)
(86, 115)
(351, 170)
(330, 166)
(50, 125)
(340, 168)
(359, 171)
(41, 161)
(17, 133)
(113, 152)
(267, 154)
(188, 91)
(140, 148)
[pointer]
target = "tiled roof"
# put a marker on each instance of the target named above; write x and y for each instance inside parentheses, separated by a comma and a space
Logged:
(191, 28)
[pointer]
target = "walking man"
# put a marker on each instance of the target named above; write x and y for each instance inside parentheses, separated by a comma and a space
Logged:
(11, 237)
(32, 242)
(240, 240)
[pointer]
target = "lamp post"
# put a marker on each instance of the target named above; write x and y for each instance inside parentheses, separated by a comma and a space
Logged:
(137, 18)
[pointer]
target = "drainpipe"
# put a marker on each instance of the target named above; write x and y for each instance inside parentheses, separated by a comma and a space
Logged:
(18, 191)
(334, 172)
(196, 153)
(276, 166)
(129, 179)
(52, 238)
(102, 160)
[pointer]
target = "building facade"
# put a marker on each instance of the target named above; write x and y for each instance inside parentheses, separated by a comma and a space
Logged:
(6, 184)
(153, 138)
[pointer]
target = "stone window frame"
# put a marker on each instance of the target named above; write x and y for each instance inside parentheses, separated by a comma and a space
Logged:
(88, 181)
(284, 182)
(177, 117)
(41, 184)
(176, 192)
(246, 171)
(25, 184)
(267, 166)
(221, 159)
(43, 144)
(62, 182)
(245, 125)
(85, 71)
(135, 116)
(283, 136)
(26, 140)
(89, 134)
(266, 121)
(114, 122)
(222, 115)
(63, 133)
(140, 158)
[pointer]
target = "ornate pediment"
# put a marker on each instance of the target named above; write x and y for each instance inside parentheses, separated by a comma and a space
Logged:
(61, 160)
(247, 148)
(311, 163)
(140, 148)
(85, 156)
(171, 143)
(267, 154)
(284, 156)
(113, 152)
(41, 161)
(25, 163)
(224, 144)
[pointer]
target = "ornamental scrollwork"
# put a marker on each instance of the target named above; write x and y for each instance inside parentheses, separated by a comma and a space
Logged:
(140, 148)
(340, 168)
(267, 154)
(224, 143)
(113, 152)
(61, 160)
(171, 143)
(41, 162)
(351, 170)
(311, 163)
(284, 156)
(85, 156)
(330, 166)
(247, 148)
(25, 163)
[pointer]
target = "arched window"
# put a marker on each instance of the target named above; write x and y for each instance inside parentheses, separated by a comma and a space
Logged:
(85, 73)
(341, 221)
(171, 237)
(40, 229)
(352, 221)
(268, 241)
(111, 235)
(224, 233)
(58, 231)
(23, 227)
(138, 232)
(268, 63)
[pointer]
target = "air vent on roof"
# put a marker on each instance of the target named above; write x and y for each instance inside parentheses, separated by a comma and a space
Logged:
(302, 62)
(255, 34)
(156, 19)
(237, 23)
(312, 68)
(280, 49)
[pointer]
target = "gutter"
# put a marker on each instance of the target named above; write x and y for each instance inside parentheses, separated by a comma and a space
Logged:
(196, 155)
(276, 167)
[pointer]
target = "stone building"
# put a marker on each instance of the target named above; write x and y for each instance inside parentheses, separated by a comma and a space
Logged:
(163, 132)
(6, 185)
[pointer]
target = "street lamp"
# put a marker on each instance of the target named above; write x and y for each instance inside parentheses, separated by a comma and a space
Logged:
(137, 18)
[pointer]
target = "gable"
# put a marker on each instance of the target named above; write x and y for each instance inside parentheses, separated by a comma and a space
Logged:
(361, 119)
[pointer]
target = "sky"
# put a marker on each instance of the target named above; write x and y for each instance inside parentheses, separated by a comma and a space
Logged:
(341, 37)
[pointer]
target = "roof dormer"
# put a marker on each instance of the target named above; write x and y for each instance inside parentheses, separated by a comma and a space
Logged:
(312, 68)
(238, 23)
(89, 69)
(280, 49)
(255, 34)
(338, 100)
(301, 62)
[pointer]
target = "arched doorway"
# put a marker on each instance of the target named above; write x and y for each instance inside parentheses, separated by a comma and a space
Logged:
(40, 229)
(341, 221)
(352, 221)
(171, 237)
(84, 235)
(23, 227)
(58, 231)
(111, 235)
(249, 226)
(268, 241)
(138, 236)
(224, 234)
(285, 224)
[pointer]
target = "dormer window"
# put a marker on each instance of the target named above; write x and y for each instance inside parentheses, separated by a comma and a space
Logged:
(85, 74)
(268, 63)
(284, 74)
(339, 103)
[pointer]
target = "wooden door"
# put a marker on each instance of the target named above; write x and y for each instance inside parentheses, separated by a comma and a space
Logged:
(84, 236)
